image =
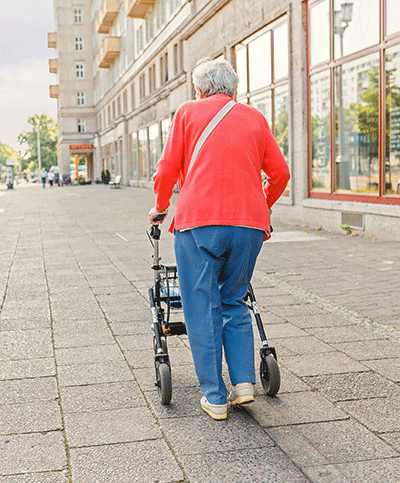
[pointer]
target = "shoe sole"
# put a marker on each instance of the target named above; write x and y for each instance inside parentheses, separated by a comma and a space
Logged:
(242, 400)
(216, 416)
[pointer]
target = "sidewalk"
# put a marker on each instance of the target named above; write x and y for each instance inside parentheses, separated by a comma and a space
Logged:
(77, 396)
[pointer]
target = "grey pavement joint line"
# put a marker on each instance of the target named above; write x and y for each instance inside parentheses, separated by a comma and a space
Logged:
(11, 264)
(69, 471)
(331, 307)
(186, 479)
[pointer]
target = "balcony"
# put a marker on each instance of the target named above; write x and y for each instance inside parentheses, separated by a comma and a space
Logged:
(108, 52)
(53, 64)
(139, 8)
(106, 17)
(54, 91)
(52, 40)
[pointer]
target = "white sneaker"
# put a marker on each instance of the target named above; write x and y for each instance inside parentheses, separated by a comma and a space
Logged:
(242, 393)
(216, 411)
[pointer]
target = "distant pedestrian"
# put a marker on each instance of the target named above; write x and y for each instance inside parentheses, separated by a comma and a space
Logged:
(51, 178)
(43, 174)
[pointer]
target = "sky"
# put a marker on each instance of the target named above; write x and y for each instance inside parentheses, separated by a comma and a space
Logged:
(24, 67)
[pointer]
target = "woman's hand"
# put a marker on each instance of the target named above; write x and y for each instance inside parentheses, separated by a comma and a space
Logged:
(153, 214)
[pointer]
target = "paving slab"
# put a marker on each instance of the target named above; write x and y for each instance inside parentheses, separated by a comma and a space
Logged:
(248, 466)
(36, 452)
(25, 390)
(27, 368)
(345, 441)
(30, 417)
(350, 386)
(381, 415)
(294, 408)
(110, 427)
(142, 461)
(93, 373)
(101, 397)
(316, 364)
(59, 477)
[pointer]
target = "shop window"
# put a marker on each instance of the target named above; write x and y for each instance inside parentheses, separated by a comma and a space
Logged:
(263, 68)
(351, 152)
(143, 154)
(320, 114)
(78, 15)
(393, 17)
(165, 127)
(134, 155)
(154, 145)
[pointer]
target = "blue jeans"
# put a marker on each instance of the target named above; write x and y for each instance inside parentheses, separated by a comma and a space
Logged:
(215, 265)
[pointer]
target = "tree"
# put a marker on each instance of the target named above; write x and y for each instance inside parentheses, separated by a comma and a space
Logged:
(7, 152)
(48, 142)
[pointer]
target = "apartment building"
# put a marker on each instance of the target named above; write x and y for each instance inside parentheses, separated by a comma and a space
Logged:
(325, 73)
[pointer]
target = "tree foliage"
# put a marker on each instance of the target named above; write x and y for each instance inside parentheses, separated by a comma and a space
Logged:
(48, 142)
(7, 152)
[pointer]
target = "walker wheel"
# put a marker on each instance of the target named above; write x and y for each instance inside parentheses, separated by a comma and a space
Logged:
(270, 375)
(164, 386)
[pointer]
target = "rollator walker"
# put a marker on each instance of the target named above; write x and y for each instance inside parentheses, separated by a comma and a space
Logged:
(166, 304)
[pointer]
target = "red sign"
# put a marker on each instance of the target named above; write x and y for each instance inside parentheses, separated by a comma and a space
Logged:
(81, 146)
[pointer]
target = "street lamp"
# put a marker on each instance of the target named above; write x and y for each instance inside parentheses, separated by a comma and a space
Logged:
(341, 20)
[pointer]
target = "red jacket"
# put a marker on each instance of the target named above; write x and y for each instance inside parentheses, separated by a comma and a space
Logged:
(224, 186)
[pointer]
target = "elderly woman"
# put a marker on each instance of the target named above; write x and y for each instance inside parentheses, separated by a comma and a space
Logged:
(222, 215)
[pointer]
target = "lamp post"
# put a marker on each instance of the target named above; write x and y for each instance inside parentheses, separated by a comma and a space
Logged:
(341, 20)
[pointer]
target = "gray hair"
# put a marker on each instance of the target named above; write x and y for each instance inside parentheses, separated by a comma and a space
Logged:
(215, 77)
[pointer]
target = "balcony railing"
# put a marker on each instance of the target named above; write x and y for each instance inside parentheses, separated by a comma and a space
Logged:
(108, 52)
(52, 40)
(54, 91)
(53, 64)
(106, 17)
(139, 8)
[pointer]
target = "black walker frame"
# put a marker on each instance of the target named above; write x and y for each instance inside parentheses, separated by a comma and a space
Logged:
(165, 298)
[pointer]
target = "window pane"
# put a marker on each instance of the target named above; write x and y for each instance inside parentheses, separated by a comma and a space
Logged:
(263, 103)
(357, 126)
(356, 27)
(319, 32)
(241, 68)
(165, 127)
(281, 119)
(320, 112)
(260, 62)
(154, 140)
(281, 50)
(393, 17)
(134, 156)
(143, 154)
(392, 151)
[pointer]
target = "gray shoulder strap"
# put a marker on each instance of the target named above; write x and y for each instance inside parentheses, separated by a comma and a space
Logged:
(209, 129)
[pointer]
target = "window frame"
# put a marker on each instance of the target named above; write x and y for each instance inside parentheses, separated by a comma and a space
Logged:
(331, 65)
(78, 15)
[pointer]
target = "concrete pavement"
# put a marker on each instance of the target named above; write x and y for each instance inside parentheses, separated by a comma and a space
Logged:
(77, 396)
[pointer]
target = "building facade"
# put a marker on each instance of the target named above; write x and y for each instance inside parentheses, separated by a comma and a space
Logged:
(325, 73)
